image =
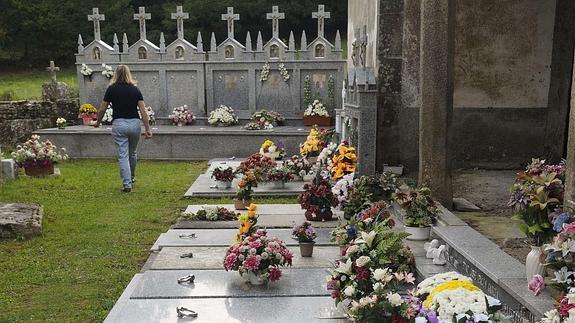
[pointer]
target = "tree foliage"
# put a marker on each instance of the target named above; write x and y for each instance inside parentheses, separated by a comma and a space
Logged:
(35, 31)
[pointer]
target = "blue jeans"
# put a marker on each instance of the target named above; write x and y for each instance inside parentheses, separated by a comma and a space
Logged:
(126, 134)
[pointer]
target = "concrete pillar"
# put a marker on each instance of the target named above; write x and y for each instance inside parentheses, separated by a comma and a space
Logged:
(436, 81)
(570, 164)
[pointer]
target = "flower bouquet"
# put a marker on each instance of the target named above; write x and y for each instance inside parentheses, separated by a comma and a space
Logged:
(342, 187)
(279, 176)
(209, 213)
(86, 71)
(367, 190)
(561, 254)
(312, 145)
(317, 199)
(248, 223)
(298, 166)
(258, 257)
(182, 116)
(87, 113)
(245, 190)
(258, 164)
(420, 211)
(38, 157)
(316, 114)
(61, 123)
(107, 70)
(564, 310)
(223, 177)
(264, 119)
(305, 234)
(343, 161)
(269, 149)
(108, 115)
(151, 115)
(223, 116)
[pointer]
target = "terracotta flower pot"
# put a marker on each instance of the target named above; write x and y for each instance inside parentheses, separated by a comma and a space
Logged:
(88, 118)
(241, 205)
(306, 248)
(320, 121)
(39, 170)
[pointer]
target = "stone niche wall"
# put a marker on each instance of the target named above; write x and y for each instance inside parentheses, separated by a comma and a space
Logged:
(18, 119)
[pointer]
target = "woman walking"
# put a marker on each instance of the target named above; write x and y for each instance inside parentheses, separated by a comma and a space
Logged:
(126, 99)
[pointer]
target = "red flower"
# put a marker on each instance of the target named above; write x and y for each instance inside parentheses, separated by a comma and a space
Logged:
(362, 273)
(251, 263)
(275, 274)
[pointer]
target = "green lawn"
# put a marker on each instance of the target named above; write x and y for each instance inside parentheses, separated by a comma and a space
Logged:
(95, 237)
(27, 85)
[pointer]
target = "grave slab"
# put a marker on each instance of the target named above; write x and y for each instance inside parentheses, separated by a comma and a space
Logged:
(20, 220)
(225, 237)
(204, 186)
(125, 297)
(8, 169)
(232, 310)
(212, 258)
(220, 283)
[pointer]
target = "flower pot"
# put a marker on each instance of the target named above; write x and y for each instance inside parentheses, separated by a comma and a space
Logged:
(241, 205)
(88, 118)
(312, 160)
(317, 121)
(39, 170)
(61, 127)
(255, 280)
(278, 185)
(306, 248)
(326, 215)
(418, 233)
(533, 264)
(223, 185)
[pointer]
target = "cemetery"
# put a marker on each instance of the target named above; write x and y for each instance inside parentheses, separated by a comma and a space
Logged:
(399, 170)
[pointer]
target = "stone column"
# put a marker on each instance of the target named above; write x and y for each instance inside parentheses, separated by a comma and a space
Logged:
(570, 164)
(436, 81)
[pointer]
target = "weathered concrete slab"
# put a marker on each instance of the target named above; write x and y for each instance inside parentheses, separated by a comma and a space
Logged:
(212, 258)
(232, 310)
(225, 237)
(20, 220)
(204, 186)
(8, 169)
(220, 283)
(463, 205)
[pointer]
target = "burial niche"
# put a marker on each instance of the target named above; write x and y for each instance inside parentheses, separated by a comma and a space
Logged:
(229, 52)
(319, 51)
(97, 53)
(274, 51)
(179, 52)
(142, 53)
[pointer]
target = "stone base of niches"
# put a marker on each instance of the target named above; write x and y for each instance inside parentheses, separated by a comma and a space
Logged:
(494, 271)
(177, 143)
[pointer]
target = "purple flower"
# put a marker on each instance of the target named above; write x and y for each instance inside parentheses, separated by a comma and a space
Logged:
(558, 223)
(432, 317)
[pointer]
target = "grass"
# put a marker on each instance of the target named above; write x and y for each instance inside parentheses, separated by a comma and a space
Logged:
(27, 85)
(95, 238)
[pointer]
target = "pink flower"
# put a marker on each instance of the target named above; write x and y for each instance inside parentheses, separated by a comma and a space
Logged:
(569, 228)
(251, 263)
(255, 244)
(230, 261)
(275, 274)
(536, 285)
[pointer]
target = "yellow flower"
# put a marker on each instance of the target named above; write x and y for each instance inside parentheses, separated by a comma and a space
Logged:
(268, 143)
(252, 208)
(450, 285)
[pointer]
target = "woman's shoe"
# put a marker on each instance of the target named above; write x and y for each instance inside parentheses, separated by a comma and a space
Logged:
(127, 189)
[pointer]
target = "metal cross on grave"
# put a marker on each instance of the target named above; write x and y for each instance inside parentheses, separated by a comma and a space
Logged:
(275, 16)
(142, 16)
(230, 17)
(52, 69)
(179, 16)
(321, 15)
(96, 17)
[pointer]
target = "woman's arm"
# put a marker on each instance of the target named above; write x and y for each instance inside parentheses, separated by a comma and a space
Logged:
(101, 112)
(145, 118)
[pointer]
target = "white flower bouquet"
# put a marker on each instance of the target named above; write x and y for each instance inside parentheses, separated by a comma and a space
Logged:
(85, 70)
(108, 116)
(61, 123)
(223, 116)
(316, 109)
(107, 70)
(151, 115)
(38, 153)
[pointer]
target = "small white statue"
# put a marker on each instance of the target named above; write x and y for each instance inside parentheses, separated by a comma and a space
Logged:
(440, 256)
(430, 247)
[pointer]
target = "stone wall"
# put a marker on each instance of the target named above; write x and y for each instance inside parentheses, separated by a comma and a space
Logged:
(18, 119)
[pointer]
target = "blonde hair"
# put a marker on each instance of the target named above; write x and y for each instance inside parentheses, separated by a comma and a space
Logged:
(123, 75)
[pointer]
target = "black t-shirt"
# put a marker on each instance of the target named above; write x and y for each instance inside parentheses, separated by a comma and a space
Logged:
(124, 98)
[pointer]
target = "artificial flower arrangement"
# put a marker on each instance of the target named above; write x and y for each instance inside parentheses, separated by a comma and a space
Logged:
(305, 234)
(223, 174)
(279, 174)
(564, 310)
(87, 110)
(273, 151)
(451, 297)
(151, 115)
(85, 70)
(223, 116)
(283, 72)
(317, 199)
(316, 109)
(560, 255)
(245, 190)
(258, 164)
(35, 153)
(298, 166)
(343, 161)
(247, 223)
(107, 70)
(265, 120)
(209, 213)
(367, 190)
(61, 123)
(108, 115)
(420, 209)
(182, 116)
(342, 187)
(265, 72)
(536, 194)
(315, 142)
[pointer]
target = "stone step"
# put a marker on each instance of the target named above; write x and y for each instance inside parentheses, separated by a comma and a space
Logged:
(230, 310)
(213, 257)
(220, 283)
(226, 237)
(204, 186)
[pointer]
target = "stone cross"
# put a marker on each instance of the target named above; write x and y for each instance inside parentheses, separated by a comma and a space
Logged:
(321, 15)
(179, 16)
(275, 16)
(230, 17)
(142, 16)
(52, 69)
(96, 17)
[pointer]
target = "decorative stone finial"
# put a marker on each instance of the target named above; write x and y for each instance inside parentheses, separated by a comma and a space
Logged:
(162, 43)
(125, 44)
(291, 42)
(337, 41)
(200, 43)
(80, 44)
(248, 42)
(213, 43)
(260, 43)
(116, 45)
(303, 41)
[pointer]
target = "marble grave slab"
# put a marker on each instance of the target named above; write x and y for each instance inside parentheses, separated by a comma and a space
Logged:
(204, 186)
